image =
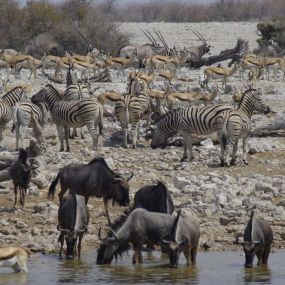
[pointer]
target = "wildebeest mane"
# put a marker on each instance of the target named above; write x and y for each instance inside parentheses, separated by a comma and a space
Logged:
(116, 225)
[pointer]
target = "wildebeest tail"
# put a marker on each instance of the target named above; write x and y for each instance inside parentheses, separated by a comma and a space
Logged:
(101, 112)
(52, 187)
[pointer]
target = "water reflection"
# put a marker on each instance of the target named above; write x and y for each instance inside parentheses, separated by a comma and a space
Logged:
(260, 274)
(73, 271)
(221, 268)
(13, 278)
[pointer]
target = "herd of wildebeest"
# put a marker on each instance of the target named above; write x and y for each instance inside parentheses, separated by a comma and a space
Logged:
(150, 220)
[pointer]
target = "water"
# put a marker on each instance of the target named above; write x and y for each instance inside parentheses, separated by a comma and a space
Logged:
(214, 268)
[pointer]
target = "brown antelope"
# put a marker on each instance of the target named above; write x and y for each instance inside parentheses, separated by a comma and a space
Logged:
(111, 96)
(13, 60)
(167, 75)
(271, 63)
(14, 257)
(31, 64)
(177, 60)
(217, 72)
(147, 77)
(254, 74)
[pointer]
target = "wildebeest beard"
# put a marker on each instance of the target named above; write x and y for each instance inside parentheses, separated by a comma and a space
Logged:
(121, 248)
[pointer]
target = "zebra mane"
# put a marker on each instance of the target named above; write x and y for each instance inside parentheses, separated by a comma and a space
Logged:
(248, 91)
(49, 86)
(13, 90)
(167, 114)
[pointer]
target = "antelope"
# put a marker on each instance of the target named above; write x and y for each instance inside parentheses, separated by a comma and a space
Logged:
(197, 52)
(216, 72)
(14, 257)
(13, 60)
(121, 62)
(148, 78)
(176, 59)
(167, 75)
(111, 96)
(271, 62)
(32, 64)
(254, 74)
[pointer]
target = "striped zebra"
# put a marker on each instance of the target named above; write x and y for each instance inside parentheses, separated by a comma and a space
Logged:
(7, 101)
(237, 125)
(133, 108)
(187, 121)
(21, 116)
(76, 91)
(71, 114)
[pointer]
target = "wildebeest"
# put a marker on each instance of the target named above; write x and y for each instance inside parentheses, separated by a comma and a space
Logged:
(154, 198)
(177, 234)
(93, 179)
(73, 219)
(20, 172)
(14, 257)
(257, 240)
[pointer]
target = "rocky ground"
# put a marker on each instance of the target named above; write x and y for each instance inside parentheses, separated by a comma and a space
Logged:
(221, 198)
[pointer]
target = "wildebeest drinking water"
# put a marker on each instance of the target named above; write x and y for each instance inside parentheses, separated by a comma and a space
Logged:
(93, 179)
(176, 233)
(257, 240)
(73, 219)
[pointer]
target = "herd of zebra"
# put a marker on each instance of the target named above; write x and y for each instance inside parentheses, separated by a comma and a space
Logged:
(76, 107)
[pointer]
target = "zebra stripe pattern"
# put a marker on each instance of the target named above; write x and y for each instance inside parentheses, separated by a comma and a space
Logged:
(130, 110)
(187, 121)
(76, 114)
(21, 115)
(7, 101)
(237, 125)
(77, 91)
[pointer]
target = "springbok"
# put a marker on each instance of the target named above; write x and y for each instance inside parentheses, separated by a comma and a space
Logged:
(218, 72)
(14, 257)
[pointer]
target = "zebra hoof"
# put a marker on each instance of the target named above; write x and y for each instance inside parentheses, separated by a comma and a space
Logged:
(233, 162)
(184, 159)
(222, 164)
(61, 150)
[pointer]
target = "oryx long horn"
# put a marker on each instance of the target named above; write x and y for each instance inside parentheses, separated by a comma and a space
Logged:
(82, 36)
(161, 38)
(148, 36)
(131, 176)
(198, 36)
(155, 43)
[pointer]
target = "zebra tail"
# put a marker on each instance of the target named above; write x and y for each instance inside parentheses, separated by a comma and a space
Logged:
(15, 118)
(101, 113)
(224, 139)
(52, 187)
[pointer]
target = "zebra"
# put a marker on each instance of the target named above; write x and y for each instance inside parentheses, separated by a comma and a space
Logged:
(7, 101)
(237, 125)
(76, 114)
(21, 116)
(76, 91)
(187, 121)
(132, 108)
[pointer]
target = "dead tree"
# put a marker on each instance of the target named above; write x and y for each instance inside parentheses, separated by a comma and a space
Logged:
(234, 54)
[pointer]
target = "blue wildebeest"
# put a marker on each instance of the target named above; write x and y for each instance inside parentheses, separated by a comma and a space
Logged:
(182, 234)
(154, 198)
(257, 240)
(73, 219)
(93, 179)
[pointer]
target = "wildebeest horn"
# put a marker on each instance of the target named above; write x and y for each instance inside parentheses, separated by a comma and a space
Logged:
(166, 241)
(114, 233)
(237, 241)
(185, 240)
(257, 242)
(63, 230)
(131, 176)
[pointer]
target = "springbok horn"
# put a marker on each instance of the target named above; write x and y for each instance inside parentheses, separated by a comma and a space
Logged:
(131, 176)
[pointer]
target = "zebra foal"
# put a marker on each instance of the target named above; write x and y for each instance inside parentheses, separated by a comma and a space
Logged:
(237, 125)
(187, 121)
(7, 101)
(71, 114)
(132, 108)
(22, 119)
